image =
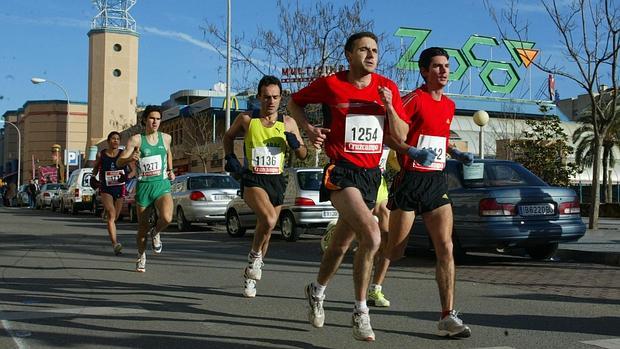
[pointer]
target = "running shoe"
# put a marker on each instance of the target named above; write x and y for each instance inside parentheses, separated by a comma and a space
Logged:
(118, 248)
(249, 288)
(362, 331)
(141, 263)
(452, 326)
(254, 269)
(156, 241)
(316, 314)
(376, 298)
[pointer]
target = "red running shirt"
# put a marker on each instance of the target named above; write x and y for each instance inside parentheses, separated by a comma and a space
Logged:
(356, 117)
(429, 127)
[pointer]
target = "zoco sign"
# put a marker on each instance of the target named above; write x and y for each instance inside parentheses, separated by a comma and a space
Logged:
(522, 52)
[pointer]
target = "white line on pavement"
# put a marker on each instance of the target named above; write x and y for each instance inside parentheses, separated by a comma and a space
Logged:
(20, 343)
(613, 343)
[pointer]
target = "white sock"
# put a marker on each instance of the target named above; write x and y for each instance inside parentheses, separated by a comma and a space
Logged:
(361, 307)
(317, 289)
(254, 255)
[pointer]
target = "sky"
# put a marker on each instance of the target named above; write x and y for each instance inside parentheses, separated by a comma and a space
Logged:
(48, 39)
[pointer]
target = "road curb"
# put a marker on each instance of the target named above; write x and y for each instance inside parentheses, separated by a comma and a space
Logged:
(607, 258)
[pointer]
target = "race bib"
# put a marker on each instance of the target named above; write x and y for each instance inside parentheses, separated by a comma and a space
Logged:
(363, 133)
(438, 145)
(151, 166)
(112, 178)
(266, 160)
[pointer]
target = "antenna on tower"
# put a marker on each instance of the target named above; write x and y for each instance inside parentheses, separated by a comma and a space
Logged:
(114, 14)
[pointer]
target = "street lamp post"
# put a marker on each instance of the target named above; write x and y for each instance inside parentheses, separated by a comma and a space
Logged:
(37, 81)
(19, 152)
(481, 118)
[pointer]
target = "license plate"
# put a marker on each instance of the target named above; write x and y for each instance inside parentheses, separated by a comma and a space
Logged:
(223, 197)
(330, 214)
(537, 210)
(86, 198)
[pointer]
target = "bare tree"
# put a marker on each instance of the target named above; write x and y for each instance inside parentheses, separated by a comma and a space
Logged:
(589, 33)
(307, 43)
(198, 134)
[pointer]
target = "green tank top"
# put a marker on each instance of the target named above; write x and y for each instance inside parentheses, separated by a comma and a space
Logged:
(265, 146)
(153, 159)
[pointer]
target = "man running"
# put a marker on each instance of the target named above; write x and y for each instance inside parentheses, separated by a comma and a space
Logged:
(111, 185)
(380, 211)
(267, 134)
(421, 187)
(355, 104)
(151, 150)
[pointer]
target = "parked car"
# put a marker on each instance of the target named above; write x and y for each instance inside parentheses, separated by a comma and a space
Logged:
(45, 195)
(55, 200)
(500, 204)
(22, 198)
(202, 197)
(79, 194)
(301, 211)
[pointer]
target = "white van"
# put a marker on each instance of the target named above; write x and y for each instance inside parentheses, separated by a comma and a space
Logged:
(79, 195)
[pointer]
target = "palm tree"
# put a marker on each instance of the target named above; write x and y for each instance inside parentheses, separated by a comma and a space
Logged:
(583, 137)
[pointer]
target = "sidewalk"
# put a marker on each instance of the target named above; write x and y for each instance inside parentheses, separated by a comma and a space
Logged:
(596, 246)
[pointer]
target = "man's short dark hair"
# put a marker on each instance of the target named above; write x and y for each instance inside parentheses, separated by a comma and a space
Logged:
(149, 109)
(427, 55)
(269, 80)
(112, 134)
(348, 46)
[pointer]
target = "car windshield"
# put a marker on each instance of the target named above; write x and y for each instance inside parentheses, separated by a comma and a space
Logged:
(309, 180)
(500, 174)
(212, 182)
(52, 186)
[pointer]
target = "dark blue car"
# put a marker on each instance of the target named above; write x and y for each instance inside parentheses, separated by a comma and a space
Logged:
(500, 204)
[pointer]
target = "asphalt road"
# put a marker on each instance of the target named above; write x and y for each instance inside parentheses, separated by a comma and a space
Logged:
(61, 286)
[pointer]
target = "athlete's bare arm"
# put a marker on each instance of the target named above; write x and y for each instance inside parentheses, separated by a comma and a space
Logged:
(131, 152)
(291, 126)
(97, 164)
(398, 127)
(167, 143)
(316, 135)
(238, 128)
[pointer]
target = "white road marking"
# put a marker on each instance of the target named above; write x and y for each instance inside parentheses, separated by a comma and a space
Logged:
(50, 313)
(19, 342)
(613, 343)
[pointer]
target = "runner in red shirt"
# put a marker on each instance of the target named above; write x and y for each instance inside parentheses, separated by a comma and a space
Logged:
(358, 106)
(421, 187)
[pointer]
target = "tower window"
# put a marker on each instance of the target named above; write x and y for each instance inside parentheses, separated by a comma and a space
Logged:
(117, 47)
(116, 72)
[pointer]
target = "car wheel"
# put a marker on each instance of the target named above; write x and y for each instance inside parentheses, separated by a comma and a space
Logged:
(182, 223)
(289, 229)
(52, 207)
(233, 224)
(74, 209)
(544, 251)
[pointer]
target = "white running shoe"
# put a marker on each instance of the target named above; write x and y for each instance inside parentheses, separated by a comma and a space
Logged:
(452, 326)
(141, 263)
(362, 331)
(254, 269)
(249, 288)
(156, 241)
(316, 314)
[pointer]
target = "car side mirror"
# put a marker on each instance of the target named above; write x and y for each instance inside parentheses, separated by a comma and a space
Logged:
(239, 192)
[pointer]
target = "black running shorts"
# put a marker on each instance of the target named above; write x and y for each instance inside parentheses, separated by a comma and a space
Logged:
(343, 175)
(274, 185)
(418, 191)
